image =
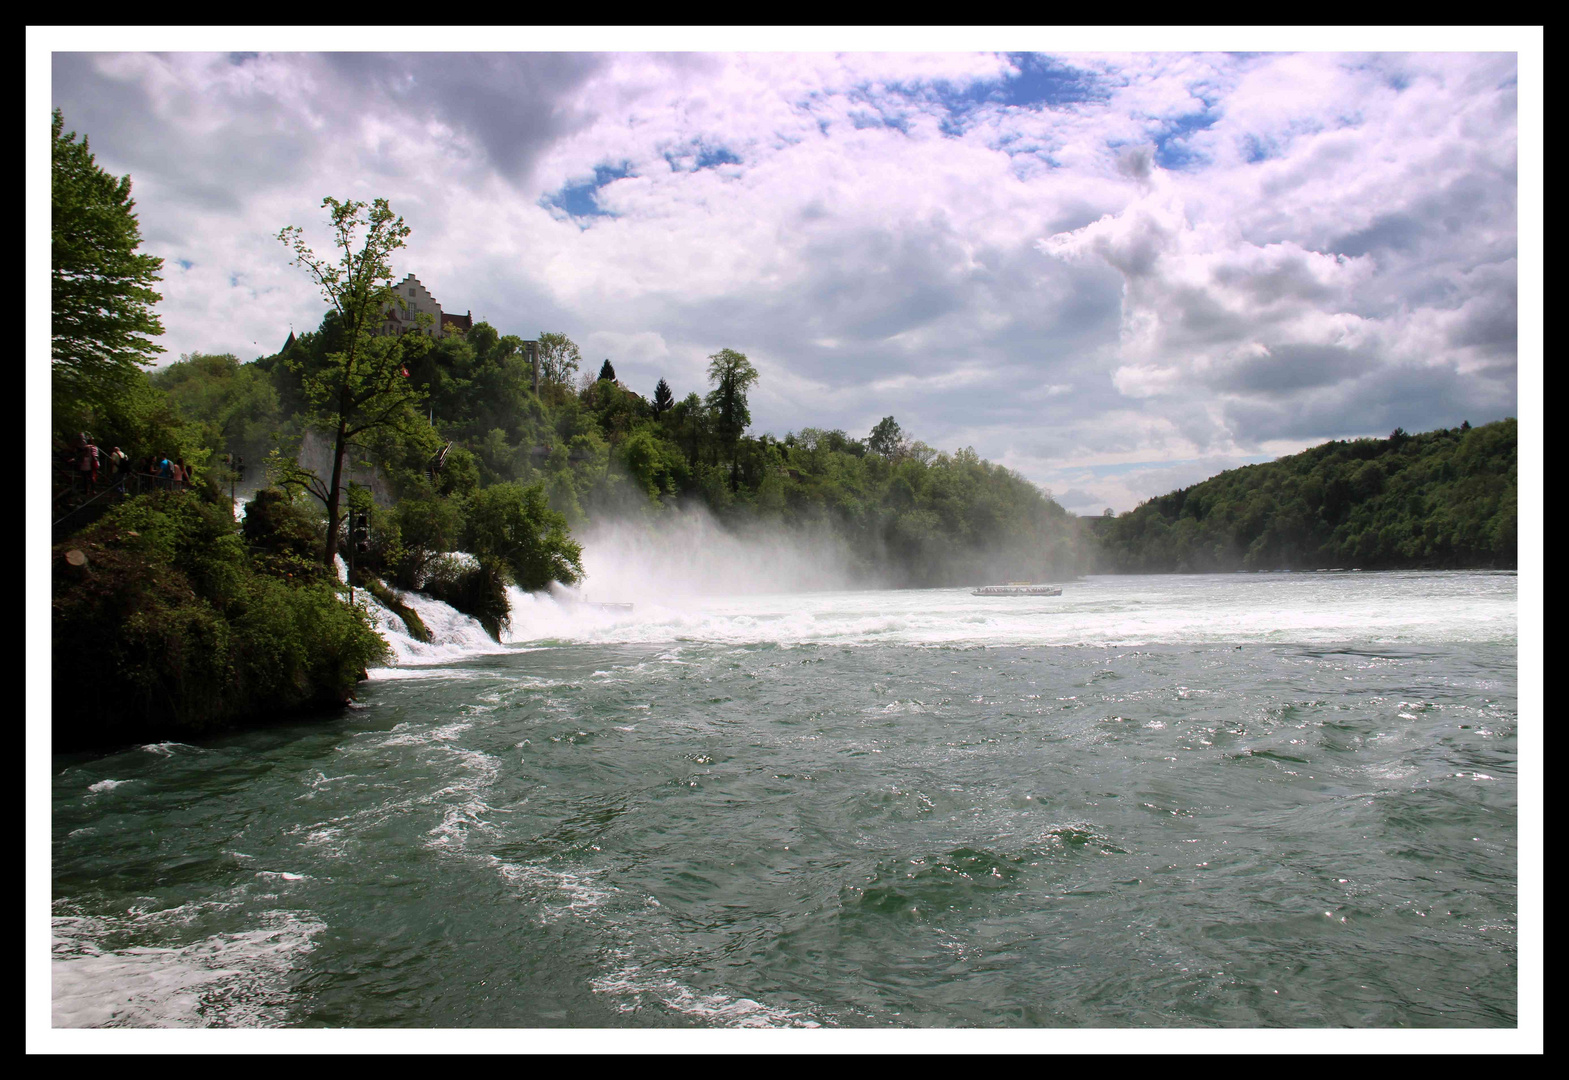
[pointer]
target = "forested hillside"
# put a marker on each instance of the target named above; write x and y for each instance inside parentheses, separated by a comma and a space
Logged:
(909, 514)
(1441, 499)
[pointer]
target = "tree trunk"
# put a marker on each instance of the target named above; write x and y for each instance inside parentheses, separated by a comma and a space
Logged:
(333, 494)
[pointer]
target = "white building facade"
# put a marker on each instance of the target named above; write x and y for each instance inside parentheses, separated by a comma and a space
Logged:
(414, 300)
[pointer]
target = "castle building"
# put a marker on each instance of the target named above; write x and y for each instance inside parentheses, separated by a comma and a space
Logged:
(417, 301)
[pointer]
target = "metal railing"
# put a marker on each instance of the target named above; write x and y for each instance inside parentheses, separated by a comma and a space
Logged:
(115, 488)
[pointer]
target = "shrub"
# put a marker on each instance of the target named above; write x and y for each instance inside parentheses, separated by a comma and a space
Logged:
(175, 627)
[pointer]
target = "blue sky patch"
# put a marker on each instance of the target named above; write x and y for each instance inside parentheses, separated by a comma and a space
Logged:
(710, 157)
(1038, 82)
(1172, 149)
(1045, 80)
(579, 199)
(705, 157)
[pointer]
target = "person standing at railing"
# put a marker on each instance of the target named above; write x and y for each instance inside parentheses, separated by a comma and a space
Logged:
(121, 466)
(87, 464)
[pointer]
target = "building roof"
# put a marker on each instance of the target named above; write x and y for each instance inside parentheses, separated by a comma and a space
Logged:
(460, 323)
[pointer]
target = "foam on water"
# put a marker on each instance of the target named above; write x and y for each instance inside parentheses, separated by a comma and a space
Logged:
(633, 984)
(106, 785)
(453, 635)
(226, 980)
(1095, 611)
(1120, 611)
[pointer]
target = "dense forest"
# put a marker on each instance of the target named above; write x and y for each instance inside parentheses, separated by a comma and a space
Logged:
(1440, 499)
(598, 450)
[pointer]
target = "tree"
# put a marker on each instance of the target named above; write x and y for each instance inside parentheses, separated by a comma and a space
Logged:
(101, 290)
(237, 402)
(364, 387)
(516, 525)
(732, 375)
(663, 398)
(886, 438)
(606, 372)
(558, 358)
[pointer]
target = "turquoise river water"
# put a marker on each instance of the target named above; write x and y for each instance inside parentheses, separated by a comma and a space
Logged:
(1206, 801)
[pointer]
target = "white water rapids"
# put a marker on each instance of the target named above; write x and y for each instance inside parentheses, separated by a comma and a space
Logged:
(1129, 610)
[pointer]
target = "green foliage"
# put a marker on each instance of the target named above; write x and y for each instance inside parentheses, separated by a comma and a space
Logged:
(102, 319)
(141, 420)
(1443, 498)
(886, 438)
(237, 401)
(425, 524)
(655, 464)
(177, 627)
(279, 531)
(515, 525)
(558, 359)
(732, 375)
(663, 398)
(460, 473)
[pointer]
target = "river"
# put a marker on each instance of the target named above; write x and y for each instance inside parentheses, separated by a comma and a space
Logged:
(1179, 801)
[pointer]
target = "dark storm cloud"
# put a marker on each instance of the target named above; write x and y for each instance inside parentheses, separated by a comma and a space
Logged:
(514, 105)
(1469, 219)
(1490, 323)
(875, 284)
(1021, 318)
(1388, 232)
(151, 135)
(1290, 279)
(1415, 397)
(1136, 161)
(1290, 368)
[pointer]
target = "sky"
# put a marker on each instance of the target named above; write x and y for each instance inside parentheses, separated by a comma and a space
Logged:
(1115, 273)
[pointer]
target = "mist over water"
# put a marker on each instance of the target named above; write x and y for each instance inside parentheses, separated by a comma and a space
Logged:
(685, 554)
(757, 800)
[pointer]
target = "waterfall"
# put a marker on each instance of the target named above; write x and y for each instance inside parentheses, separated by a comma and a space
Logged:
(453, 635)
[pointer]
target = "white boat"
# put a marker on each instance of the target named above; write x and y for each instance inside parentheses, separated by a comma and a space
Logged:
(1018, 588)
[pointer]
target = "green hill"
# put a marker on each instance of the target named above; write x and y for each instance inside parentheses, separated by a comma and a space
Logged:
(1441, 499)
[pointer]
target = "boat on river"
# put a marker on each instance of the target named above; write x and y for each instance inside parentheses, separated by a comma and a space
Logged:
(1018, 588)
